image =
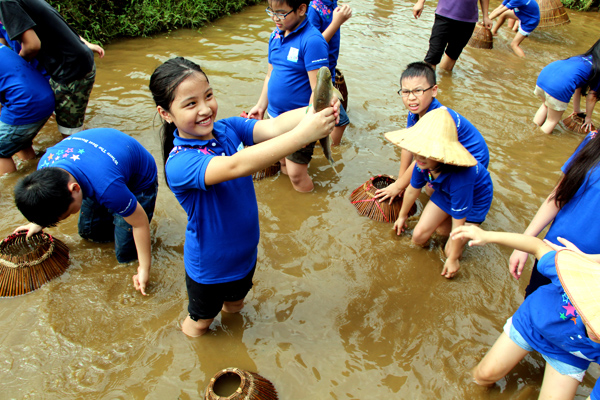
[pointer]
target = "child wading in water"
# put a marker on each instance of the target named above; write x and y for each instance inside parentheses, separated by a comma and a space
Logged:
(462, 186)
(527, 12)
(563, 79)
(560, 320)
(208, 169)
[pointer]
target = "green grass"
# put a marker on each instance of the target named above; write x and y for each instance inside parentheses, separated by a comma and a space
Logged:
(101, 21)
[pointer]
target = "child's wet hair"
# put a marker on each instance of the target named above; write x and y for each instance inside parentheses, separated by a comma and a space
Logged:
(164, 82)
(417, 69)
(44, 196)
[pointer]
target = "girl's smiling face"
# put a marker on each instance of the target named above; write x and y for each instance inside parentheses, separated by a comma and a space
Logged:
(194, 108)
(426, 163)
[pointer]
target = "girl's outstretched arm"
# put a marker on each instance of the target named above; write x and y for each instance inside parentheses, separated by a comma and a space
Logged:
(546, 214)
(314, 126)
(479, 237)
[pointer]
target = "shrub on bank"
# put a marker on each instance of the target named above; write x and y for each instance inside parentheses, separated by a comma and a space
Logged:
(104, 20)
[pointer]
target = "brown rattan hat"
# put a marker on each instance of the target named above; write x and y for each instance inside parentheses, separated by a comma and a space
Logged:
(434, 136)
(580, 277)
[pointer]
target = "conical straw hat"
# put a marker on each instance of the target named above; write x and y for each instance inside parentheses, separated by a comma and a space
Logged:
(580, 277)
(434, 136)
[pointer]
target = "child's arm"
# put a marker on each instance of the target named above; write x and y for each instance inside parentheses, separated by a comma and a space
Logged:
(141, 236)
(499, 10)
(570, 246)
(410, 196)
(341, 14)
(418, 8)
(454, 250)
(577, 101)
(313, 127)
(485, 6)
(545, 214)
(590, 102)
(31, 228)
(398, 187)
(30, 44)
(479, 237)
(94, 47)
(258, 111)
(3, 41)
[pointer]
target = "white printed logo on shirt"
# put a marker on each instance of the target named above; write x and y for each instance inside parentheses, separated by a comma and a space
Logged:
(293, 55)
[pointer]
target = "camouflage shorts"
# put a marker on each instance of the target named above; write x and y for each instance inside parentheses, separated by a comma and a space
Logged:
(71, 101)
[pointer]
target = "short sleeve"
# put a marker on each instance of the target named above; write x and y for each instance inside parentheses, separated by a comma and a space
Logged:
(15, 19)
(316, 52)
(118, 198)
(417, 180)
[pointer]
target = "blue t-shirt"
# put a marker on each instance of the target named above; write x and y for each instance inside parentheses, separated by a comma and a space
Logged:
(109, 165)
(550, 324)
(26, 96)
(527, 11)
(465, 192)
(221, 238)
(579, 220)
(560, 78)
(320, 15)
(468, 135)
(292, 57)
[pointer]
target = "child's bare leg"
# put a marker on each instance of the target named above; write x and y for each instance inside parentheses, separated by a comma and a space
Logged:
(26, 154)
(515, 44)
(511, 23)
(502, 357)
(195, 328)
(336, 135)
(233, 306)
(541, 115)
(447, 63)
(431, 218)
(557, 386)
(551, 120)
(299, 177)
(7, 166)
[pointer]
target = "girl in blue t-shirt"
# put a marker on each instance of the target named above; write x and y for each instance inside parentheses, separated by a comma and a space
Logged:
(560, 320)
(563, 79)
(208, 168)
(570, 209)
(463, 188)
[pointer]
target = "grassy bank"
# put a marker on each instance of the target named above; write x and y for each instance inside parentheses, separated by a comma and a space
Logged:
(104, 20)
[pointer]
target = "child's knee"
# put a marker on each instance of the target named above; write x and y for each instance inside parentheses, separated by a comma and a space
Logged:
(420, 237)
(233, 306)
(195, 328)
(484, 376)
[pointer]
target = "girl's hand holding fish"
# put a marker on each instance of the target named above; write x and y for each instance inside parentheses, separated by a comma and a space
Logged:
(317, 125)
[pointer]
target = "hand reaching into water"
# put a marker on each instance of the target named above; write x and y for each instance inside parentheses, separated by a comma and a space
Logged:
(140, 280)
(516, 263)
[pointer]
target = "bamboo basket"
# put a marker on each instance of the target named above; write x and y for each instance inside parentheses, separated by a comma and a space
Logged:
(27, 264)
(481, 38)
(340, 84)
(252, 386)
(363, 198)
(574, 123)
(267, 172)
(552, 13)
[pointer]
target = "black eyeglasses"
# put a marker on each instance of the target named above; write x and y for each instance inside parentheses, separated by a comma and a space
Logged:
(277, 15)
(416, 92)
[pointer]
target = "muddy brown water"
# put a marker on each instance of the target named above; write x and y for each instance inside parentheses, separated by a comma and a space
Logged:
(342, 308)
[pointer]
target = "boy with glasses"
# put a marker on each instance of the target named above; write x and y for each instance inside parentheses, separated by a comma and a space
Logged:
(418, 91)
(296, 52)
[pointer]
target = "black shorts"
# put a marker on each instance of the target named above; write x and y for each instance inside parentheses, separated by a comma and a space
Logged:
(206, 300)
(449, 36)
(304, 155)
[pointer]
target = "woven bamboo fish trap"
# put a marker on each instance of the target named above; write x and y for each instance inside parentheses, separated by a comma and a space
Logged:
(363, 198)
(481, 38)
(340, 84)
(252, 386)
(574, 123)
(267, 172)
(27, 264)
(552, 13)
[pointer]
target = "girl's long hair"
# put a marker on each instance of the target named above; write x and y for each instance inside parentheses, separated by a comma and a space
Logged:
(163, 84)
(585, 161)
(592, 82)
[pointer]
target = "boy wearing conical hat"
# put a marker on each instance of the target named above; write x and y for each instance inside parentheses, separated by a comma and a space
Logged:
(418, 91)
(560, 320)
(462, 186)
